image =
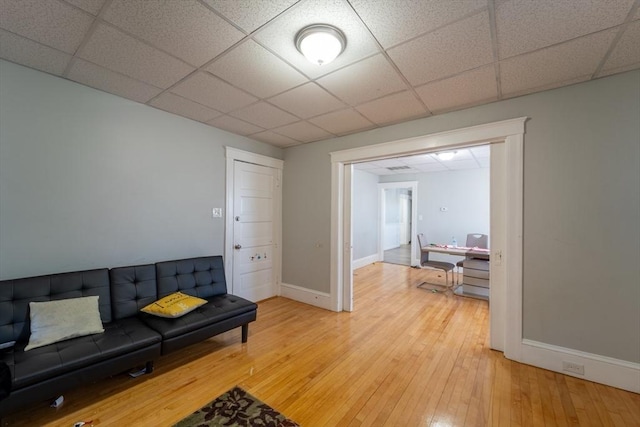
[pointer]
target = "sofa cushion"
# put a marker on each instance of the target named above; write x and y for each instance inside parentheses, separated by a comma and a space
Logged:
(15, 296)
(120, 337)
(54, 321)
(201, 277)
(218, 309)
(132, 288)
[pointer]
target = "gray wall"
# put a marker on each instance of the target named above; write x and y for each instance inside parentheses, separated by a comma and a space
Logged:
(581, 210)
(88, 179)
(365, 214)
(464, 193)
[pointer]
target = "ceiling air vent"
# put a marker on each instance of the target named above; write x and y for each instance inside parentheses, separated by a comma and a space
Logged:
(398, 168)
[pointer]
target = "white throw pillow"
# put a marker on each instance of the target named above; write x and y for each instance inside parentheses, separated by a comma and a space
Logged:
(60, 320)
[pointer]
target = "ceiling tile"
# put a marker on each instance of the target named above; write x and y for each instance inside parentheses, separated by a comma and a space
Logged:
(31, 54)
(393, 108)
(472, 87)
(307, 101)
(430, 167)
(480, 152)
(523, 26)
(570, 60)
(356, 83)
(184, 28)
(303, 131)
(250, 15)
(117, 51)
(450, 50)
(234, 125)
(91, 6)
(256, 70)
(420, 159)
(279, 34)
(264, 115)
(462, 154)
(627, 51)
(274, 139)
(342, 122)
(208, 90)
(184, 107)
(365, 166)
(381, 171)
(109, 81)
(49, 22)
(393, 22)
(389, 163)
(455, 165)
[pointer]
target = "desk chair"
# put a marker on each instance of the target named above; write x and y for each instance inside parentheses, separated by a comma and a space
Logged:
(474, 240)
(438, 265)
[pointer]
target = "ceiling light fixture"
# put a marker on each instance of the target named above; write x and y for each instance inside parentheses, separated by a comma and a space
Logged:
(320, 43)
(446, 155)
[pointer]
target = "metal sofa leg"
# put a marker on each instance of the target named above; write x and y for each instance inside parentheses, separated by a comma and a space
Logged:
(245, 332)
(148, 367)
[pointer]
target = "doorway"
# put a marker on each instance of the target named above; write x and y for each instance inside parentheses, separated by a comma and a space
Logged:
(506, 139)
(398, 213)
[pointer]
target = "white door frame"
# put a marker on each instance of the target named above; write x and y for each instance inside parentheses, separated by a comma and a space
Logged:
(233, 154)
(413, 185)
(506, 195)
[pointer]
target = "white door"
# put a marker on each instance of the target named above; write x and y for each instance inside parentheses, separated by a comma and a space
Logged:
(253, 231)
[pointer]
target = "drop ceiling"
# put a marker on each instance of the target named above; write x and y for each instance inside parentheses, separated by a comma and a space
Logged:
(463, 159)
(232, 64)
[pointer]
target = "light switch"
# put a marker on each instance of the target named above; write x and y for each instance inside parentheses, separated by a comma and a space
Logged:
(216, 212)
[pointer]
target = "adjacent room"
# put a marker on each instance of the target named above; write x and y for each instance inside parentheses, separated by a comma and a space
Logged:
(319, 212)
(450, 191)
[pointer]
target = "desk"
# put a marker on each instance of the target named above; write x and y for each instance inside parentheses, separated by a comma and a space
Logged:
(475, 279)
(458, 250)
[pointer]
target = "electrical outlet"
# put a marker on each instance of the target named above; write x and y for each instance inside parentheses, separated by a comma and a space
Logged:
(216, 212)
(572, 367)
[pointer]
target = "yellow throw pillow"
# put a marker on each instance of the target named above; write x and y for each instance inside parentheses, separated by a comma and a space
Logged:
(174, 305)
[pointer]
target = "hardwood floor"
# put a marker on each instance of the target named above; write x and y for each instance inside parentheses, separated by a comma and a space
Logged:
(400, 255)
(404, 357)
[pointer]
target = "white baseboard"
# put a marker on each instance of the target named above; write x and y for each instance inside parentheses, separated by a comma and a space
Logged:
(362, 262)
(601, 369)
(307, 296)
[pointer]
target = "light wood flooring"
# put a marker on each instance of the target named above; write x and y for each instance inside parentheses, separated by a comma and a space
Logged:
(404, 357)
(400, 255)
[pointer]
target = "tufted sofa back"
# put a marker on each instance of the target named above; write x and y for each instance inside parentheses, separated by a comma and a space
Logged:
(132, 288)
(202, 277)
(16, 294)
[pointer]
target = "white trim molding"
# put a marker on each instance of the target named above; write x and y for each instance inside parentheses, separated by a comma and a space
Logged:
(307, 296)
(600, 369)
(505, 329)
(364, 261)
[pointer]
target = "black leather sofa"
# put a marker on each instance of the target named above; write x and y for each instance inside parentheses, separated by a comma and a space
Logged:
(130, 338)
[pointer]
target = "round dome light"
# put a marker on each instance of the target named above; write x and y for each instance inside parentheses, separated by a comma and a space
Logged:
(320, 43)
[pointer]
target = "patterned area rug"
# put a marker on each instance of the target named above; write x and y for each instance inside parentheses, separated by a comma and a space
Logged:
(236, 408)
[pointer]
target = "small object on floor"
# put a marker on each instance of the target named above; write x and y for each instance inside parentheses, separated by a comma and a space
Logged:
(58, 402)
(83, 423)
(136, 374)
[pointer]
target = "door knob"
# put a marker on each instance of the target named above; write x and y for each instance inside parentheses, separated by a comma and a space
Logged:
(238, 246)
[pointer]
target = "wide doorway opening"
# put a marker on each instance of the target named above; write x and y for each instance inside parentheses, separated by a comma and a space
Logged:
(506, 157)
